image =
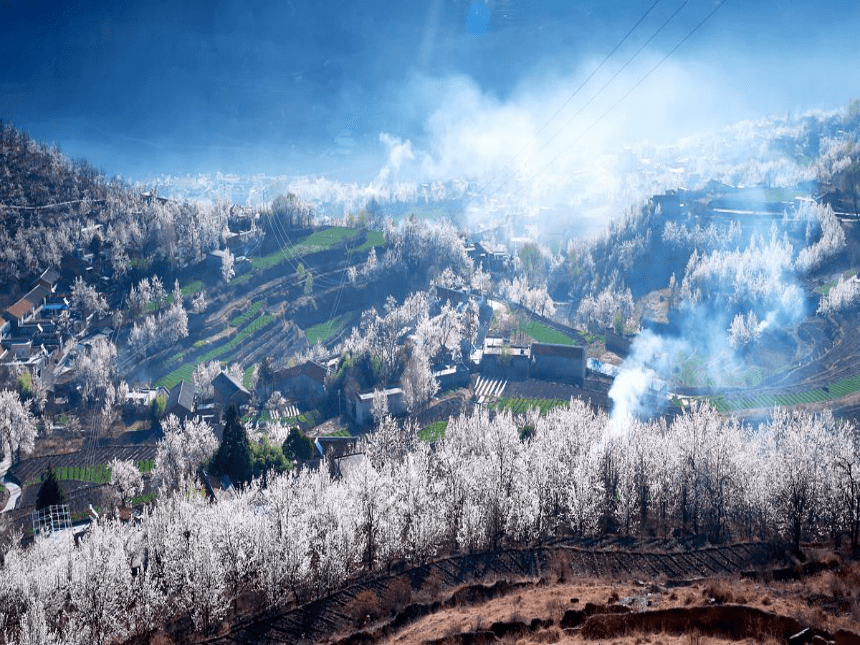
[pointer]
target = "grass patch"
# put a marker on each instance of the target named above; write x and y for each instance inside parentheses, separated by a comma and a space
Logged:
(374, 238)
(310, 419)
(143, 499)
(543, 334)
(248, 379)
(592, 339)
(326, 330)
(433, 432)
(192, 288)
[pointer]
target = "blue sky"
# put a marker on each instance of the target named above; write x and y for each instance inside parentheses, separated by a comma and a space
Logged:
(308, 87)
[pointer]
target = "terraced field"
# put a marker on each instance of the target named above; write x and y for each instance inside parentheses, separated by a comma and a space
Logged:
(695, 371)
(86, 465)
(318, 621)
(248, 323)
(97, 474)
(316, 241)
(324, 331)
(836, 390)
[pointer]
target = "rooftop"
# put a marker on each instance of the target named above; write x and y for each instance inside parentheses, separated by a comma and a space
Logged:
(181, 395)
(50, 276)
(228, 385)
(368, 396)
(563, 351)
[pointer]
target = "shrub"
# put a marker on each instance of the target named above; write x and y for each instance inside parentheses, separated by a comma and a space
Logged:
(365, 607)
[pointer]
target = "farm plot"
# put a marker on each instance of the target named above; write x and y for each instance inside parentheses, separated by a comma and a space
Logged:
(85, 465)
(329, 329)
(97, 474)
(835, 390)
(698, 371)
(316, 241)
(189, 289)
(516, 405)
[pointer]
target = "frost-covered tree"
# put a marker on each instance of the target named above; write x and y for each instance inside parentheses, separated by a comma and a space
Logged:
(228, 269)
(203, 376)
(95, 372)
(744, 330)
(843, 295)
(126, 479)
(86, 300)
(418, 383)
(595, 312)
(379, 407)
(796, 443)
(181, 451)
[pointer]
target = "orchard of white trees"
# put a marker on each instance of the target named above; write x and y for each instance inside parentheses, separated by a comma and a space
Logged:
(575, 474)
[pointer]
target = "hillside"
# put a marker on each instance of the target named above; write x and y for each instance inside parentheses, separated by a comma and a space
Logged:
(382, 420)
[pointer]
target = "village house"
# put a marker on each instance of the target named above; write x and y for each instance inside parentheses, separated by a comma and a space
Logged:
(500, 359)
(180, 401)
(29, 306)
(452, 377)
(554, 362)
(304, 381)
(228, 391)
(364, 404)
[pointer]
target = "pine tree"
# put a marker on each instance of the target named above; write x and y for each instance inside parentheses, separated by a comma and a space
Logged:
(298, 446)
(234, 455)
(50, 493)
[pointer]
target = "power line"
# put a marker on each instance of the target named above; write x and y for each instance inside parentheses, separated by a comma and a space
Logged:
(612, 78)
(571, 97)
(632, 89)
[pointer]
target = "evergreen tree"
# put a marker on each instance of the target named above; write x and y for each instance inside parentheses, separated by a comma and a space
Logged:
(298, 445)
(234, 454)
(267, 375)
(50, 492)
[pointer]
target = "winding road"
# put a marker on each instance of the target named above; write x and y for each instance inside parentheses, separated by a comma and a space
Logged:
(13, 488)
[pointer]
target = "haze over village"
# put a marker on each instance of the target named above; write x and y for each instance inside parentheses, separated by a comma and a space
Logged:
(471, 322)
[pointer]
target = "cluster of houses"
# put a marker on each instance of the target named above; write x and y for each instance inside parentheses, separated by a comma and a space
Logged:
(30, 337)
(183, 401)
